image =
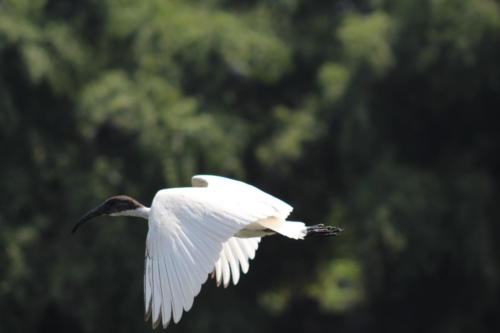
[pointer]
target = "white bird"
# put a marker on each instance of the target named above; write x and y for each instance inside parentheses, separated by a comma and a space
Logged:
(212, 228)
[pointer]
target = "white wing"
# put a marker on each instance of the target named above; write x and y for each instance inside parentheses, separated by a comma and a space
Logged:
(252, 193)
(187, 230)
(231, 255)
(238, 250)
(276, 222)
(235, 252)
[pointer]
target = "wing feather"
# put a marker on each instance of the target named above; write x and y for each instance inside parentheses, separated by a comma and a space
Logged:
(235, 270)
(197, 277)
(235, 248)
(218, 272)
(166, 307)
(252, 247)
(248, 247)
(157, 295)
(189, 230)
(226, 273)
(186, 273)
(147, 289)
(179, 299)
(281, 208)
(235, 251)
(208, 247)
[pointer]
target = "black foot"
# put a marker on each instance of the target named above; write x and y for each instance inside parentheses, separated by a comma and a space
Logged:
(322, 230)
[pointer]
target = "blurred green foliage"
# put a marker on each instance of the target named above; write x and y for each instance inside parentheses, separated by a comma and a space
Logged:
(378, 116)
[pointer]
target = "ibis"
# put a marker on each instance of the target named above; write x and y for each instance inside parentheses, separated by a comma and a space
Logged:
(210, 229)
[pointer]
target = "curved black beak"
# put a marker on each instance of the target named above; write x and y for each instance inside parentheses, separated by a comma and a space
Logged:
(98, 211)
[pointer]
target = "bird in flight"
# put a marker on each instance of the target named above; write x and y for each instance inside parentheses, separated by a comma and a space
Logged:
(210, 229)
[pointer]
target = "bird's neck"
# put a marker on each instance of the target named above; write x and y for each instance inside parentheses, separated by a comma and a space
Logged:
(138, 212)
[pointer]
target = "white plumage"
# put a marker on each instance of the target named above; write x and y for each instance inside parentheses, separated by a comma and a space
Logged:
(192, 234)
(212, 228)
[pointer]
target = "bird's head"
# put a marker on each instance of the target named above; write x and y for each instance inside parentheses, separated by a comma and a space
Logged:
(120, 205)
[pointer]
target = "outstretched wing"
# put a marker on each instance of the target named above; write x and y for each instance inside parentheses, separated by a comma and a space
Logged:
(238, 188)
(236, 252)
(187, 230)
(239, 250)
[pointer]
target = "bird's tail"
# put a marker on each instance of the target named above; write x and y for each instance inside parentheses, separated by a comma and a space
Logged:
(321, 230)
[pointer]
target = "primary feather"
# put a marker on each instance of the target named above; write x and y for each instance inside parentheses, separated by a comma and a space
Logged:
(191, 234)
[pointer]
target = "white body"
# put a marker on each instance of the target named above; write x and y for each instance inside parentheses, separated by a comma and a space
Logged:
(213, 227)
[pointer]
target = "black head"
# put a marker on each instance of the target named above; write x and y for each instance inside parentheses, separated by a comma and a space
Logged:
(113, 206)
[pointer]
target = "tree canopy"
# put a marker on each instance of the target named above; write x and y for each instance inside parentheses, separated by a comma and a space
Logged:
(379, 116)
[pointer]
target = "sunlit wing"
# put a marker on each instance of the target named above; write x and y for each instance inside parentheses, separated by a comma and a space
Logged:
(188, 229)
(231, 255)
(252, 193)
(236, 252)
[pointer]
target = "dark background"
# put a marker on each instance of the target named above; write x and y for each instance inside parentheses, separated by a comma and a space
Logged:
(377, 116)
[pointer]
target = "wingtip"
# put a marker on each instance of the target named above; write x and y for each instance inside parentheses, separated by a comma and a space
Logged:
(147, 315)
(165, 325)
(157, 322)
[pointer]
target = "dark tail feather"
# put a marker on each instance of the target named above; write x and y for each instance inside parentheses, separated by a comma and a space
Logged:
(321, 230)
